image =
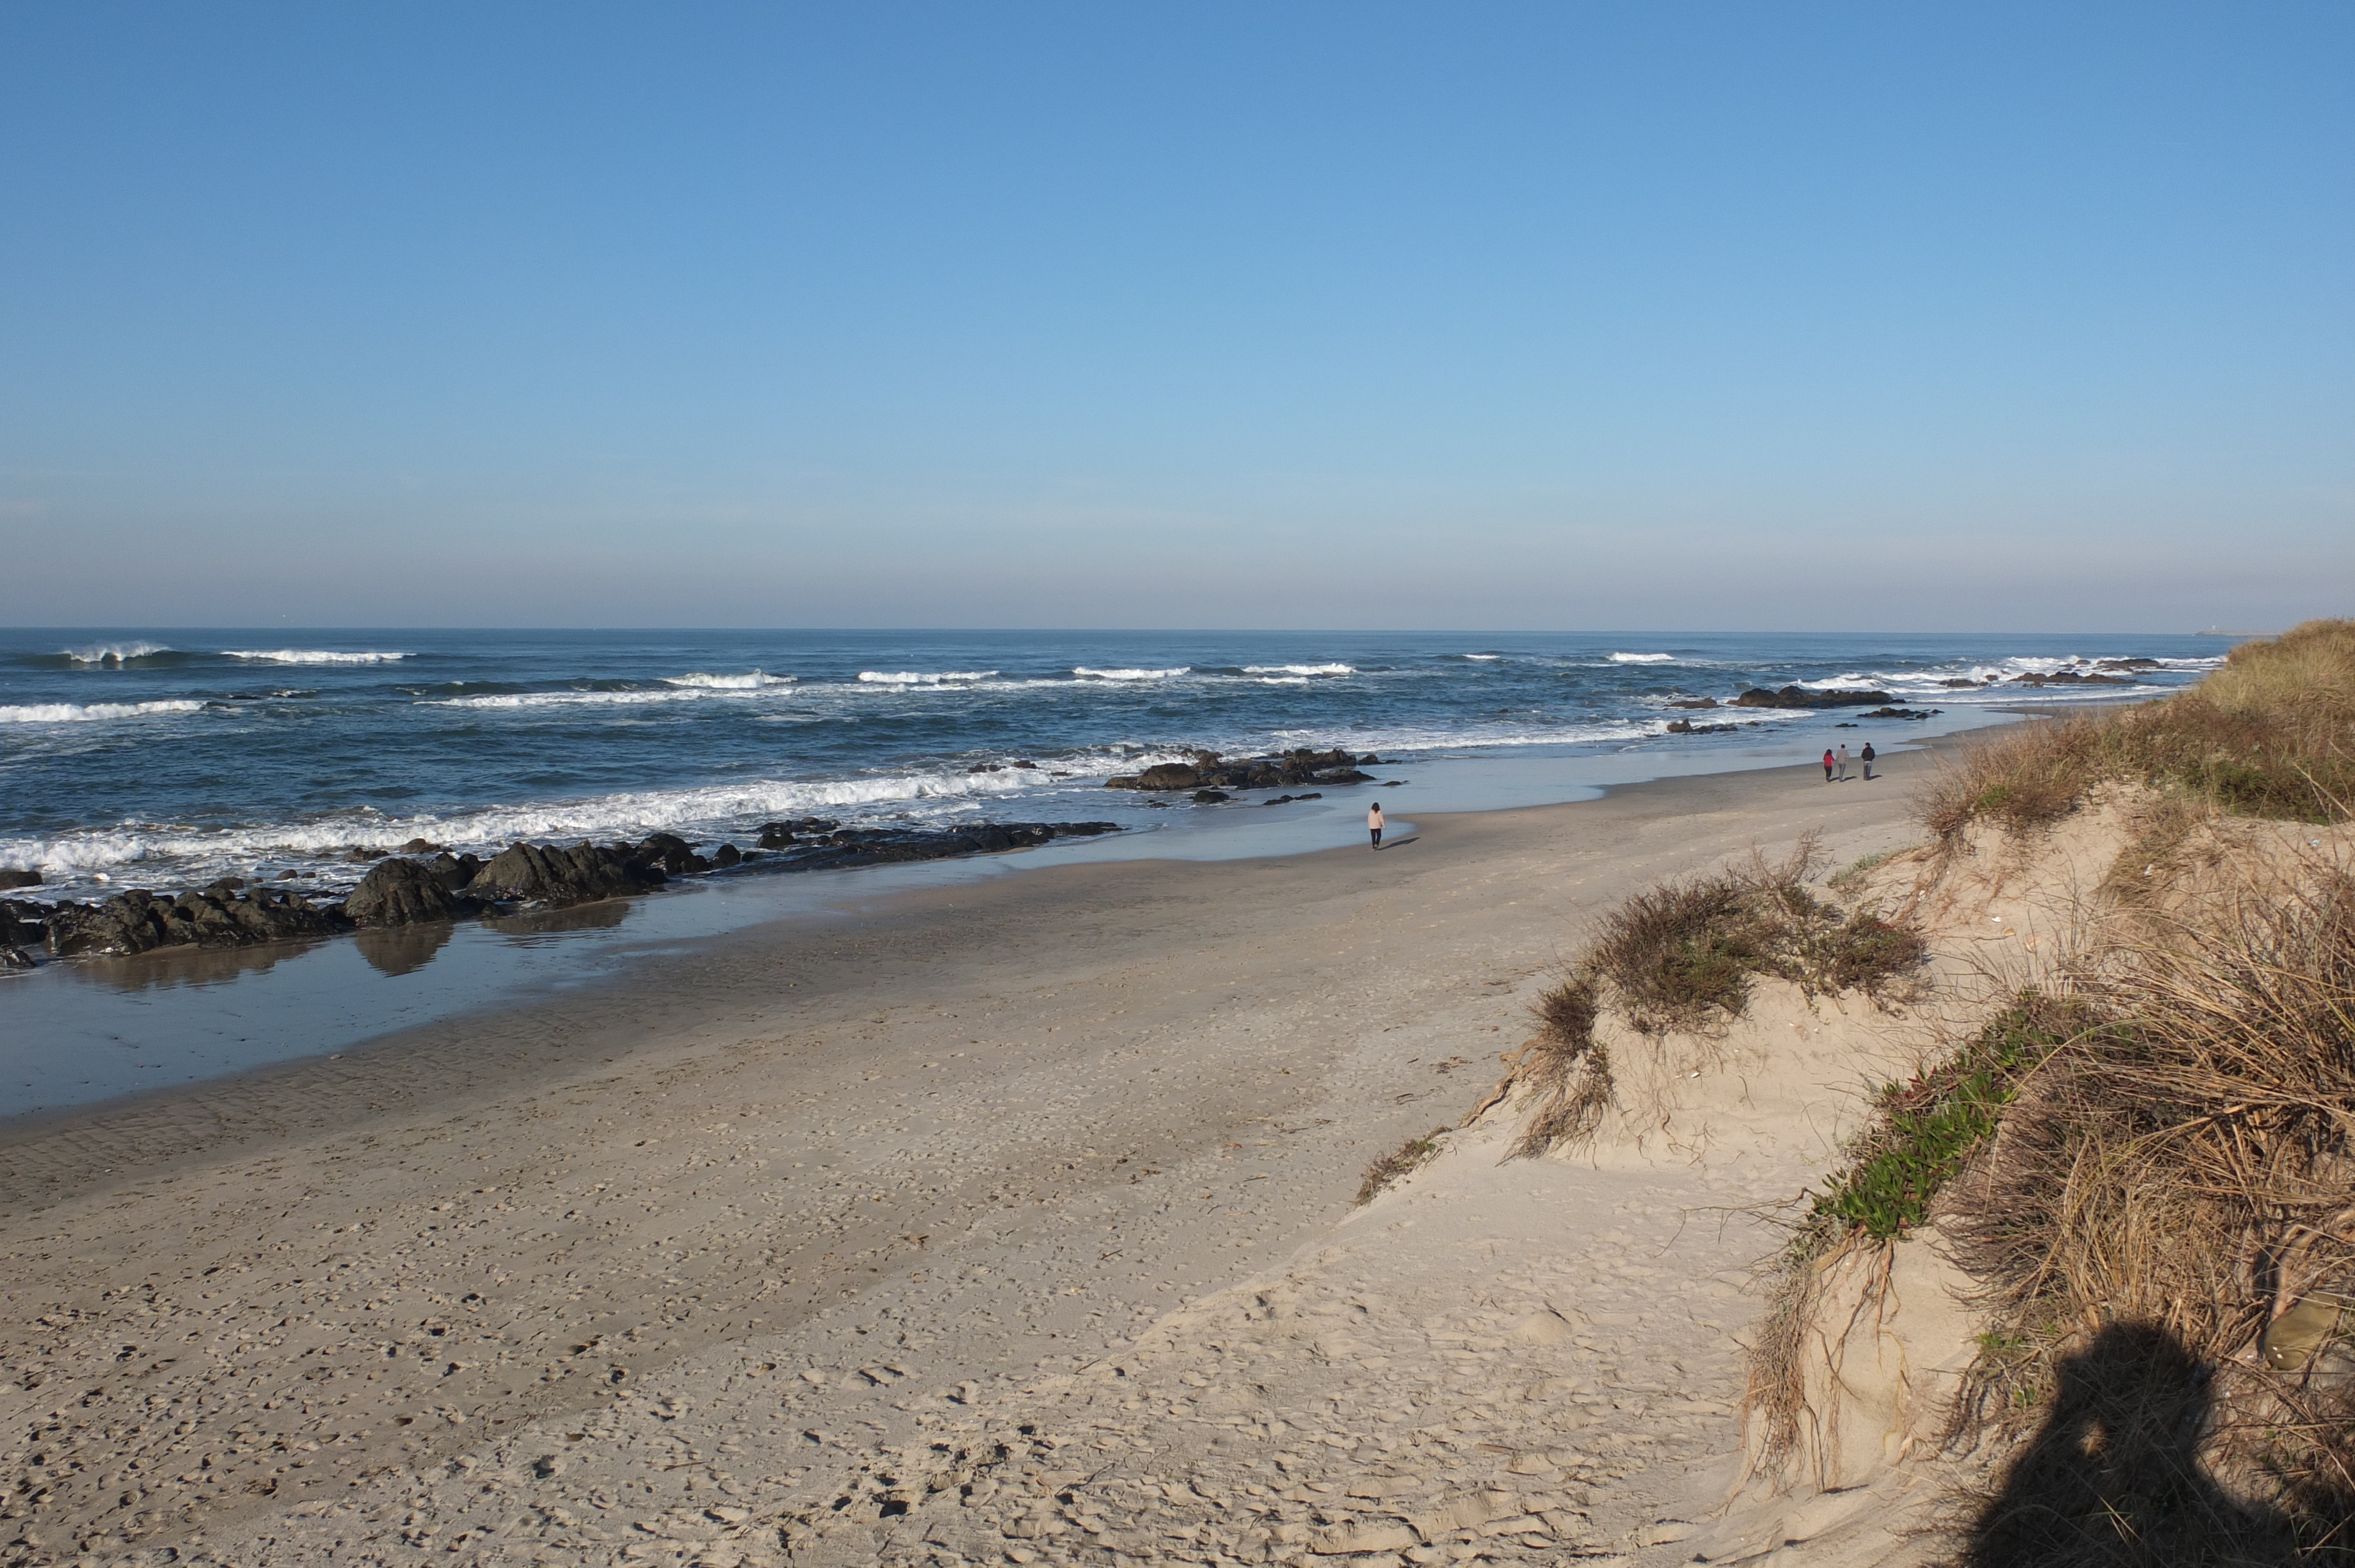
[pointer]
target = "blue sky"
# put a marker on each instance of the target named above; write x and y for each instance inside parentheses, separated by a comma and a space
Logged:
(1703, 316)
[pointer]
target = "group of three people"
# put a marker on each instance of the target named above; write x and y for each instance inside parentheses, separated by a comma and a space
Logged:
(1839, 760)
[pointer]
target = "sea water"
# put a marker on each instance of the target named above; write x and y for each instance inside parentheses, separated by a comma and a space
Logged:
(164, 758)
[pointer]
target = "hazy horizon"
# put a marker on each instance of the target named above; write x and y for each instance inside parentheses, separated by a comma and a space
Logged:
(1984, 319)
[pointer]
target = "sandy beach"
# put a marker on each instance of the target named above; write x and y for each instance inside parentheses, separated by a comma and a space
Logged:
(807, 1244)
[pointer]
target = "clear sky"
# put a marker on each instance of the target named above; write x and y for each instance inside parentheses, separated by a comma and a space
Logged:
(1739, 315)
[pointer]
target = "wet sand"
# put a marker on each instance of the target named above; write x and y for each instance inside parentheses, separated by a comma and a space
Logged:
(956, 1141)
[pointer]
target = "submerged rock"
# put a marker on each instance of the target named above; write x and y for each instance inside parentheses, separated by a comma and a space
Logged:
(12, 877)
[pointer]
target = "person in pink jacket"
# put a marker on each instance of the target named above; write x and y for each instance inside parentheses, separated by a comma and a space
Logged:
(1374, 823)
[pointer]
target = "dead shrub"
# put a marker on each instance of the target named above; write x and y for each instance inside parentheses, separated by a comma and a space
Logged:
(1565, 1073)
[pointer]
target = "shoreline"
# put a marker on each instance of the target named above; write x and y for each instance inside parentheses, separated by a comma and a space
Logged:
(199, 1016)
(1004, 1126)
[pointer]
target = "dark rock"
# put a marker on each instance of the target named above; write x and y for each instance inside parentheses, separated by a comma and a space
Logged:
(777, 835)
(420, 846)
(1021, 764)
(1902, 713)
(360, 854)
(1687, 726)
(398, 892)
(13, 959)
(2070, 678)
(1801, 698)
(139, 922)
(23, 922)
(1169, 776)
(286, 877)
(1962, 686)
(550, 874)
(1288, 799)
(1209, 796)
(727, 855)
(673, 853)
(454, 871)
(10, 876)
(1694, 703)
(2134, 663)
(1395, 784)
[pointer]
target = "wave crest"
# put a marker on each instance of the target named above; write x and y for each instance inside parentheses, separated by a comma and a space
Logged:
(1129, 674)
(77, 713)
(752, 682)
(1643, 658)
(114, 652)
(1300, 669)
(923, 678)
(310, 656)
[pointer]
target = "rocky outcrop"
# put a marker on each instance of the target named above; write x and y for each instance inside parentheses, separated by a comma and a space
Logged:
(781, 835)
(538, 873)
(1805, 697)
(1902, 713)
(139, 922)
(879, 846)
(12, 877)
(1209, 772)
(1687, 726)
(673, 853)
(399, 892)
(2069, 678)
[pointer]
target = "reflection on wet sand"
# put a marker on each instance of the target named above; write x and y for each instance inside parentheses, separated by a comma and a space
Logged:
(600, 916)
(403, 949)
(171, 968)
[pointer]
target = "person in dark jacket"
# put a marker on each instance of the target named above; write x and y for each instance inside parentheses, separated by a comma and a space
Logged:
(1866, 756)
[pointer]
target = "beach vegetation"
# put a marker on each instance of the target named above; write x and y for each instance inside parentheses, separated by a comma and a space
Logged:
(1565, 1073)
(1682, 955)
(2270, 733)
(1408, 1157)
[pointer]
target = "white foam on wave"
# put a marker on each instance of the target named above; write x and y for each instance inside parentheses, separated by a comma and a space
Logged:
(568, 699)
(82, 713)
(750, 683)
(923, 678)
(1090, 673)
(1483, 658)
(185, 854)
(113, 653)
(311, 656)
(1303, 669)
(1643, 658)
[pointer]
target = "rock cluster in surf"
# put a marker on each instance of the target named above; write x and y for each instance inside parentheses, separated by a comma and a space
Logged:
(1209, 771)
(400, 891)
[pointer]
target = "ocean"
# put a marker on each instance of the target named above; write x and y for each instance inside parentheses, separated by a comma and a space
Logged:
(164, 758)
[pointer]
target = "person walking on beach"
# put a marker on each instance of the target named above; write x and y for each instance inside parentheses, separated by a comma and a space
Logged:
(1843, 762)
(1867, 754)
(1374, 823)
(1828, 764)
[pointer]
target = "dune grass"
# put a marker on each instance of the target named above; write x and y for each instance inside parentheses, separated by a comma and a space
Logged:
(2269, 733)
(1410, 1156)
(1682, 955)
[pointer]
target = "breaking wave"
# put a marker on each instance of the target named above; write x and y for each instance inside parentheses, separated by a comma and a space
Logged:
(77, 713)
(310, 656)
(1084, 670)
(1643, 658)
(114, 652)
(1302, 670)
(920, 678)
(752, 682)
